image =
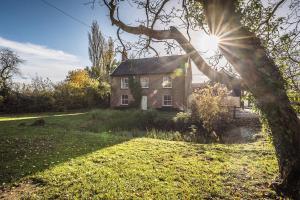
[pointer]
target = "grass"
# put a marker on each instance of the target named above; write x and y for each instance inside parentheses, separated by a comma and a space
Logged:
(79, 157)
(28, 149)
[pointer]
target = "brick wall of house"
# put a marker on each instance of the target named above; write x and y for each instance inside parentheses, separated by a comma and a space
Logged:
(155, 91)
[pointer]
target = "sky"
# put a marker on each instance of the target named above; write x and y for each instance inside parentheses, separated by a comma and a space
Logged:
(51, 43)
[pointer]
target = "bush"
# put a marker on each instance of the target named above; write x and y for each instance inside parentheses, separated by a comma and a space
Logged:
(208, 109)
(182, 121)
(146, 119)
(78, 91)
(165, 135)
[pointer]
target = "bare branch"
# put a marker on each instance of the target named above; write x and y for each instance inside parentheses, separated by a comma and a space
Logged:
(174, 34)
(271, 14)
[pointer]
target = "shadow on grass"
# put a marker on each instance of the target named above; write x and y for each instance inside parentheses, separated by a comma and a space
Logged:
(25, 150)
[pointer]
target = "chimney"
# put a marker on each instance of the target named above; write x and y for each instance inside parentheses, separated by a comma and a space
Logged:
(124, 55)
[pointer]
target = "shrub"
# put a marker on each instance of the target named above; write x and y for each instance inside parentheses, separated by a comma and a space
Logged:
(165, 135)
(182, 121)
(146, 119)
(208, 109)
(41, 95)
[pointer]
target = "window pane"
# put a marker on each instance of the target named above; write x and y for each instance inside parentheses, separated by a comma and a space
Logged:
(144, 82)
(124, 100)
(124, 83)
(167, 82)
(167, 100)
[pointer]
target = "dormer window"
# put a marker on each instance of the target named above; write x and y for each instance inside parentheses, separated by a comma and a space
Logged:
(167, 82)
(144, 82)
(124, 83)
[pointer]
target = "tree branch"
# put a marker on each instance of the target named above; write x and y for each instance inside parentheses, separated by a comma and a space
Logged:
(174, 34)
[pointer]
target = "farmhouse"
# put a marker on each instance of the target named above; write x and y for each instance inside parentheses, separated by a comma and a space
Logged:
(166, 82)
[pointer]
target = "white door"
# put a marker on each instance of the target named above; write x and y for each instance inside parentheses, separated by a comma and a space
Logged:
(144, 103)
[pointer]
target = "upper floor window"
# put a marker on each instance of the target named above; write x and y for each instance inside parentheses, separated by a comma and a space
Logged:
(144, 82)
(124, 99)
(167, 100)
(167, 82)
(124, 83)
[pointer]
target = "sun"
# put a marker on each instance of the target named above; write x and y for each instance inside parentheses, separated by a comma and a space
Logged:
(206, 43)
(212, 42)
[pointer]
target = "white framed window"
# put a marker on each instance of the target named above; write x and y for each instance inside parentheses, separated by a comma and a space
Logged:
(167, 100)
(144, 82)
(124, 83)
(167, 82)
(124, 99)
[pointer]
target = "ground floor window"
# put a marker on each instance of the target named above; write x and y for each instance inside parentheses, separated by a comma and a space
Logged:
(124, 99)
(167, 100)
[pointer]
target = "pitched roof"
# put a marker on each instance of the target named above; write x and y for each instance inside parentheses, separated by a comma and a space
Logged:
(153, 65)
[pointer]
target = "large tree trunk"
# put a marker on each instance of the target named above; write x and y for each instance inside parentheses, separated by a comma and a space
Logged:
(263, 79)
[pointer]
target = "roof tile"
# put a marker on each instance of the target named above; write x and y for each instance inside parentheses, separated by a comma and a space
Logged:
(153, 65)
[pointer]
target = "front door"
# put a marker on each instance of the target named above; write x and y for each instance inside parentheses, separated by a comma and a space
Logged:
(144, 103)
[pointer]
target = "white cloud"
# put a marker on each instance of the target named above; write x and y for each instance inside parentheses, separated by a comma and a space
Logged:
(42, 60)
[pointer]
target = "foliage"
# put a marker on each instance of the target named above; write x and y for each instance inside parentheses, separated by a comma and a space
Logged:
(116, 120)
(34, 97)
(64, 160)
(41, 95)
(101, 53)
(183, 121)
(79, 79)
(172, 136)
(136, 91)
(81, 91)
(96, 45)
(295, 100)
(208, 108)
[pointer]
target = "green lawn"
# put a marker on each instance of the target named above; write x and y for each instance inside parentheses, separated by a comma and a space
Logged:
(85, 156)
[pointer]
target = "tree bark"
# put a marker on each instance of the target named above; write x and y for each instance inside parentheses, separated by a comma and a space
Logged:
(264, 80)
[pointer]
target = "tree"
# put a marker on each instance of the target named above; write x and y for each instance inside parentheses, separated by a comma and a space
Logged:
(101, 53)
(209, 107)
(96, 46)
(79, 90)
(109, 61)
(9, 62)
(78, 78)
(244, 51)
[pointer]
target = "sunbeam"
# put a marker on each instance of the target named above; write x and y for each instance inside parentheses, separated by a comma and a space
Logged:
(211, 42)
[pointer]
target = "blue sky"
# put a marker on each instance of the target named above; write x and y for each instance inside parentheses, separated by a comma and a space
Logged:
(49, 42)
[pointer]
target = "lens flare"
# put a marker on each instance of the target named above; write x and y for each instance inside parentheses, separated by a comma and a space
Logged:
(212, 42)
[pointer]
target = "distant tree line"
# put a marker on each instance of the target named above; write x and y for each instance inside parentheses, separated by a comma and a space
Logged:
(77, 91)
(82, 88)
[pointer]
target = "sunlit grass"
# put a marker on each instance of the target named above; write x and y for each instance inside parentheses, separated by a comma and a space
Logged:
(157, 169)
(72, 157)
(35, 116)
